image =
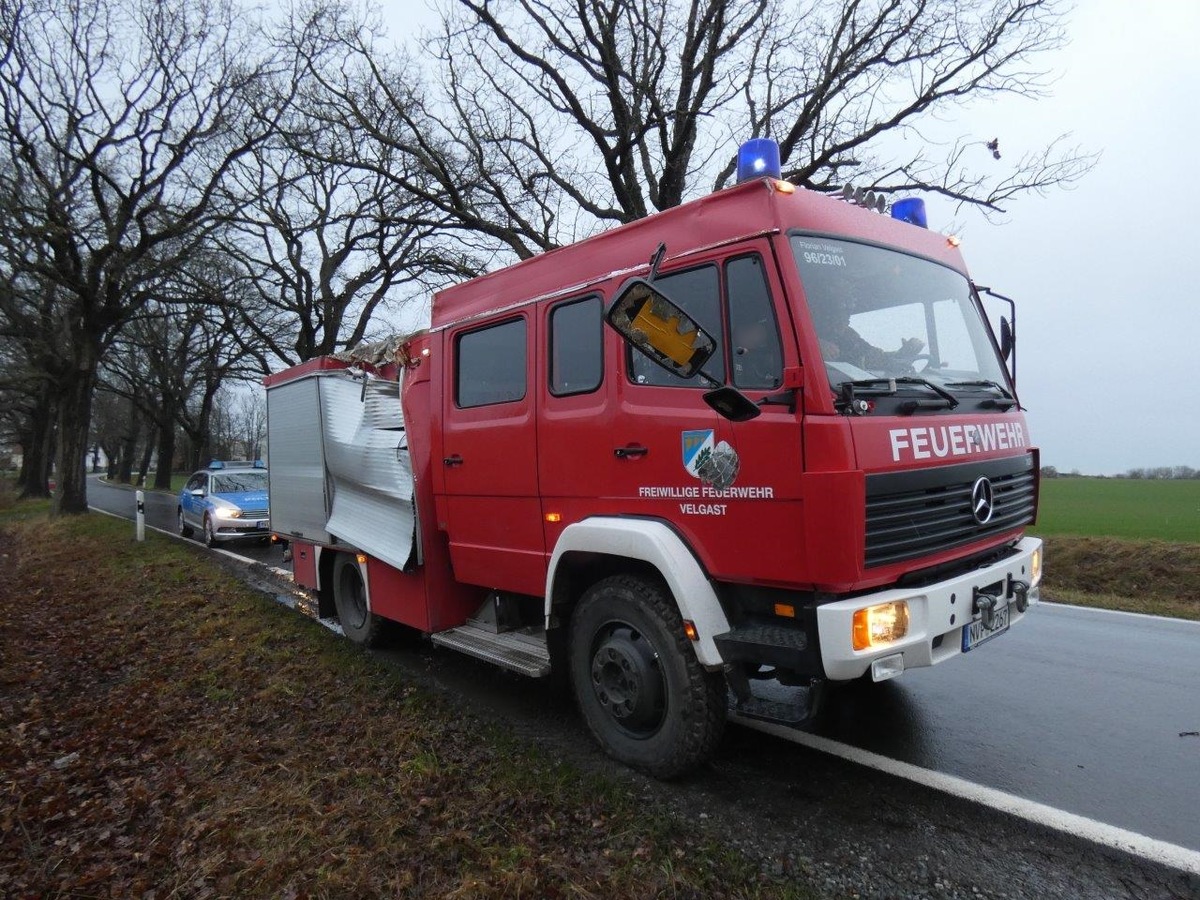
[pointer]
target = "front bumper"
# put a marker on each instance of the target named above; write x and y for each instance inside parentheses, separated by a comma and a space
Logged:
(241, 529)
(938, 613)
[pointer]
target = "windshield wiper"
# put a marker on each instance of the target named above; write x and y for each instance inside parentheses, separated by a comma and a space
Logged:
(982, 382)
(886, 386)
(1007, 401)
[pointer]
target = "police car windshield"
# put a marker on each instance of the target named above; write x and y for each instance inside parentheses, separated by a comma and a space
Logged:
(883, 313)
(232, 482)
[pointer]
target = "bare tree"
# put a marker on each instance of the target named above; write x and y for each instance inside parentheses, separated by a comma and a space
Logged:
(121, 118)
(554, 118)
(332, 237)
(248, 420)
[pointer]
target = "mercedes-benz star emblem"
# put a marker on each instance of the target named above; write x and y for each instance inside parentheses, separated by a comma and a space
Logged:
(983, 503)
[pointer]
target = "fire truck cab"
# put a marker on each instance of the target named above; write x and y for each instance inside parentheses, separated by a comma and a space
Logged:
(786, 450)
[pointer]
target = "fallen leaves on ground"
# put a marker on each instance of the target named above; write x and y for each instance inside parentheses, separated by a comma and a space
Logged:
(166, 732)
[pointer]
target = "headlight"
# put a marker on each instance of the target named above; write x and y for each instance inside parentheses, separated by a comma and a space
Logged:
(228, 512)
(1035, 568)
(881, 624)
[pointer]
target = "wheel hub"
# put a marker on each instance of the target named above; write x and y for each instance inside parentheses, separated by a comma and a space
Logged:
(626, 680)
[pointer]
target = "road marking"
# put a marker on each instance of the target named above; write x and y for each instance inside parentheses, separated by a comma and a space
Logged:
(1119, 612)
(1039, 813)
(180, 537)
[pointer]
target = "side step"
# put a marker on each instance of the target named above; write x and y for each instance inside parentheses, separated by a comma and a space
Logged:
(793, 714)
(521, 651)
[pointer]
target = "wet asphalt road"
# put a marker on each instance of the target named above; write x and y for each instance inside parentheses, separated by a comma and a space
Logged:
(1083, 710)
(160, 513)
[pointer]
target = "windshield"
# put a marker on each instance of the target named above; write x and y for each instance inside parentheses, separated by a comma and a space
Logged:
(232, 482)
(882, 313)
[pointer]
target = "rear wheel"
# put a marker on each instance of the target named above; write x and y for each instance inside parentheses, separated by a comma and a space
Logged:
(643, 693)
(184, 528)
(353, 609)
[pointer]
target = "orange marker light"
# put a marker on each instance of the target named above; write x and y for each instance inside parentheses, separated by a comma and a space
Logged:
(785, 609)
(954, 240)
(784, 187)
(689, 629)
(553, 517)
(362, 558)
(880, 624)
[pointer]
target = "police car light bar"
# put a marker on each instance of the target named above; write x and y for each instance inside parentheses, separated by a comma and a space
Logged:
(758, 158)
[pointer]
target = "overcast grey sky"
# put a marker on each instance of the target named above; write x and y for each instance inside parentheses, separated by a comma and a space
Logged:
(1109, 314)
(1109, 311)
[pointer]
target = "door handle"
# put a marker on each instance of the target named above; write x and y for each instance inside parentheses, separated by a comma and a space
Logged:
(630, 451)
(453, 460)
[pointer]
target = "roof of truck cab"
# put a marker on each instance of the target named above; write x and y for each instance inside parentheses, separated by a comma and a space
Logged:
(736, 213)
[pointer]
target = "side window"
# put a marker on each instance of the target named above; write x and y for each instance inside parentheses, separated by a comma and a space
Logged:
(195, 483)
(753, 331)
(489, 365)
(698, 293)
(576, 347)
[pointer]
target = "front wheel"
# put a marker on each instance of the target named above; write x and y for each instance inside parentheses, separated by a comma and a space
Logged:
(210, 534)
(643, 693)
(350, 597)
(185, 529)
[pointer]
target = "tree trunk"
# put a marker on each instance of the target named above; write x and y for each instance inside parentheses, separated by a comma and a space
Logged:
(37, 448)
(129, 444)
(74, 423)
(166, 453)
(147, 452)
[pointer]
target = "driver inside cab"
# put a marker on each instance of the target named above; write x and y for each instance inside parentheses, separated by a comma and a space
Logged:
(841, 343)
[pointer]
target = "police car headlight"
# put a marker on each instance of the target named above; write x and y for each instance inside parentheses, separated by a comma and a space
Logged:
(228, 512)
(881, 624)
(1035, 568)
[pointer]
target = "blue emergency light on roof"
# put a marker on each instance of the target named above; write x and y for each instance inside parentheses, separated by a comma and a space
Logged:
(216, 464)
(910, 210)
(758, 158)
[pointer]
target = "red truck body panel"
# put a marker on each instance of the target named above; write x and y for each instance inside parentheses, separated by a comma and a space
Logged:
(496, 484)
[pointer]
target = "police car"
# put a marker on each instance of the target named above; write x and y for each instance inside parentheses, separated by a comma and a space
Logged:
(226, 501)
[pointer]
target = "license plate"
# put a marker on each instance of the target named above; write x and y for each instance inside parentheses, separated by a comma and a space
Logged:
(975, 634)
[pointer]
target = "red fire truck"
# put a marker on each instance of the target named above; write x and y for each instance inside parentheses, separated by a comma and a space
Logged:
(785, 450)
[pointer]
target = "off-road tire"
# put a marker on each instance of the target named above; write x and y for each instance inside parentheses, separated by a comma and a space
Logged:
(210, 533)
(185, 530)
(359, 624)
(639, 612)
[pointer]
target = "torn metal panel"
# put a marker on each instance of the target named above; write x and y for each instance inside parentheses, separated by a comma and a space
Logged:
(367, 465)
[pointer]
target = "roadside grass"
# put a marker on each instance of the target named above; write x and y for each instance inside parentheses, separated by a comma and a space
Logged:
(163, 728)
(1138, 509)
(1155, 577)
(178, 480)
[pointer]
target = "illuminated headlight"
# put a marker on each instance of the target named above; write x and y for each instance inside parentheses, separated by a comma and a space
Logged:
(228, 512)
(1035, 568)
(882, 624)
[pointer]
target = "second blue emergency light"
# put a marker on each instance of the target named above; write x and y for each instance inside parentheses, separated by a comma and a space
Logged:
(757, 158)
(910, 210)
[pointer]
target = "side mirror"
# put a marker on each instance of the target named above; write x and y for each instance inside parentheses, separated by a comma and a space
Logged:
(648, 320)
(1007, 339)
(197, 492)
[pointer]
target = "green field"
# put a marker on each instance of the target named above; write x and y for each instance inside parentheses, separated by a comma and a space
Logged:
(1124, 508)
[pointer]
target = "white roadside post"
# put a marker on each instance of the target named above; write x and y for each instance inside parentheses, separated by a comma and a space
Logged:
(141, 516)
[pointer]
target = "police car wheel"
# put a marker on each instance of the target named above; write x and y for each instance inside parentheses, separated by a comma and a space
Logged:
(643, 693)
(184, 528)
(210, 533)
(353, 609)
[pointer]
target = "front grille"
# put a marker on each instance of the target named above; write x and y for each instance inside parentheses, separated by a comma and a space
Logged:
(254, 514)
(911, 514)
